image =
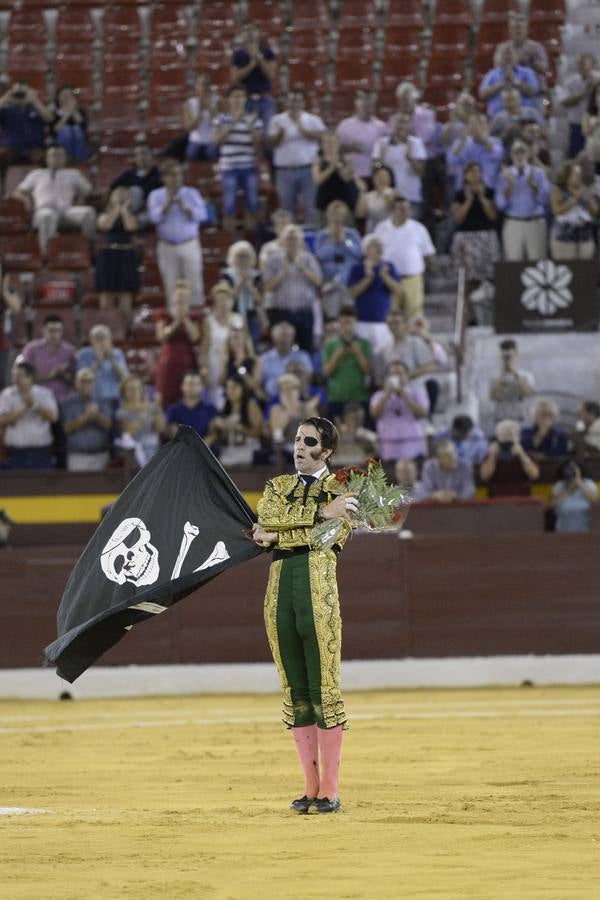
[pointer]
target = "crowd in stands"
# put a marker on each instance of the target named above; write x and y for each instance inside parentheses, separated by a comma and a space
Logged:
(317, 303)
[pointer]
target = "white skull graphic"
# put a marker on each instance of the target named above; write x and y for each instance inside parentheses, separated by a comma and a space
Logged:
(129, 555)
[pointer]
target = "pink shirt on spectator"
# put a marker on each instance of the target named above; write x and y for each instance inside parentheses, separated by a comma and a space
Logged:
(44, 359)
(354, 130)
(399, 431)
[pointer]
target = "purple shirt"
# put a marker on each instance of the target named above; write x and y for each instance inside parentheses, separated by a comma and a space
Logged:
(356, 131)
(44, 359)
(176, 226)
(459, 479)
(398, 429)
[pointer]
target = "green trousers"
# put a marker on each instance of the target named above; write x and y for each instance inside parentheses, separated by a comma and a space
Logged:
(302, 618)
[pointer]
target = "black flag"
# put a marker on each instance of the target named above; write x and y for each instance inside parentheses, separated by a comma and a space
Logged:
(177, 525)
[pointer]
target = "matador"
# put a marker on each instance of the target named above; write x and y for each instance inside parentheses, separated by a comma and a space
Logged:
(302, 613)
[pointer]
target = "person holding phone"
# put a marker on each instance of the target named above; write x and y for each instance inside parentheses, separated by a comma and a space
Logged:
(507, 469)
(572, 498)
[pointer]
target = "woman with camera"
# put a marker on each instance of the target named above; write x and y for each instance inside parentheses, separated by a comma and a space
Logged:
(572, 498)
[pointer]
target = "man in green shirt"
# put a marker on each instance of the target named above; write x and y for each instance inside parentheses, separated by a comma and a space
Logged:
(346, 365)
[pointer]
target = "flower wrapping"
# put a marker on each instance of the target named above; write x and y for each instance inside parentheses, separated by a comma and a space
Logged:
(381, 506)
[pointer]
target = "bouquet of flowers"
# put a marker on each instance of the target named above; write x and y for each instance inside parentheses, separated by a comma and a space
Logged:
(381, 506)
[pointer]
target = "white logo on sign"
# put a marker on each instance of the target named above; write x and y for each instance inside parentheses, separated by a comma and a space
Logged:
(546, 287)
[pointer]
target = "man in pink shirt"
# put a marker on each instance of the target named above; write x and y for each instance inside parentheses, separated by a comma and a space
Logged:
(52, 358)
(358, 133)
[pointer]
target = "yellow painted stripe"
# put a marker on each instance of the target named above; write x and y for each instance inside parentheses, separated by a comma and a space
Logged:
(68, 508)
(48, 510)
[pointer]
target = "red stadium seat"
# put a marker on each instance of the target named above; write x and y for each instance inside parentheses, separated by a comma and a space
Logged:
(446, 70)
(357, 73)
(547, 11)
(354, 13)
(218, 18)
(356, 41)
(74, 26)
(498, 10)
(396, 68)
(14, 176)
(111, 317)
(407, 13)
(21, 253)
(310, 14)
(27, 26)
(450, 40)
(268, 15)
(69, 251)
(403, 41)
(310, 75)
(453, 11)
(14, 218)
(122, 21)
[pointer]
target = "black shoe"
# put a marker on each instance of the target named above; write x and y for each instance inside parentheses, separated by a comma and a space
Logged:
(303, 804)
(325, 805)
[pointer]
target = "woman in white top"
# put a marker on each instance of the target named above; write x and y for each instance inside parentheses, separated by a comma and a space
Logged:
(198, 113)
(405, 154)
(217, 326)
(375, 205)
(244, 278)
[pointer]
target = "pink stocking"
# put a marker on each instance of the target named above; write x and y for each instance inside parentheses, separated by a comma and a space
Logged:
(306, 744)
(330, 752)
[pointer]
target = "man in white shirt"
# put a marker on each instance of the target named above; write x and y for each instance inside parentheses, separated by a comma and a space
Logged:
(294, 135)
(407, 245)
(27, 411)
(358, 133)
(54, 195)
(405, 154)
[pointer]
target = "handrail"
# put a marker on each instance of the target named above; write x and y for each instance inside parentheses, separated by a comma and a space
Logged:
(458, 341)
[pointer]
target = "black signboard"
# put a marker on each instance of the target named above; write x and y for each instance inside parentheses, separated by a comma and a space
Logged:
(546, 296)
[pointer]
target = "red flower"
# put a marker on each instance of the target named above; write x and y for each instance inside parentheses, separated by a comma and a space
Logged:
(374, 463)
(341, 476)
(399, 516)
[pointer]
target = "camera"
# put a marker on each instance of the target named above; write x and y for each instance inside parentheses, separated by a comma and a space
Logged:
(505, 450)
(569, 471)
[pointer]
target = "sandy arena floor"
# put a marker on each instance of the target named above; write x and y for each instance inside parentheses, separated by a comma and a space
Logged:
(447, 795)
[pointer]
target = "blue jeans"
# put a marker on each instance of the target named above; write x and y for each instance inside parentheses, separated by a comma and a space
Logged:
(195, 151)
(264, 107)
(245, 180)
(72, 138)
(28, 458)
(294, 184)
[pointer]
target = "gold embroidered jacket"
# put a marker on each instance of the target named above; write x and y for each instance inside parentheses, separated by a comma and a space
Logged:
(289, 508)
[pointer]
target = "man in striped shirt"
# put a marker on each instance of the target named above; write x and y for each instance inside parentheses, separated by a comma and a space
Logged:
(239, 136)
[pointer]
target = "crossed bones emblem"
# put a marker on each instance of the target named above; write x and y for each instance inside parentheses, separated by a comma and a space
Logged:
(218, 555)
(129, 556)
